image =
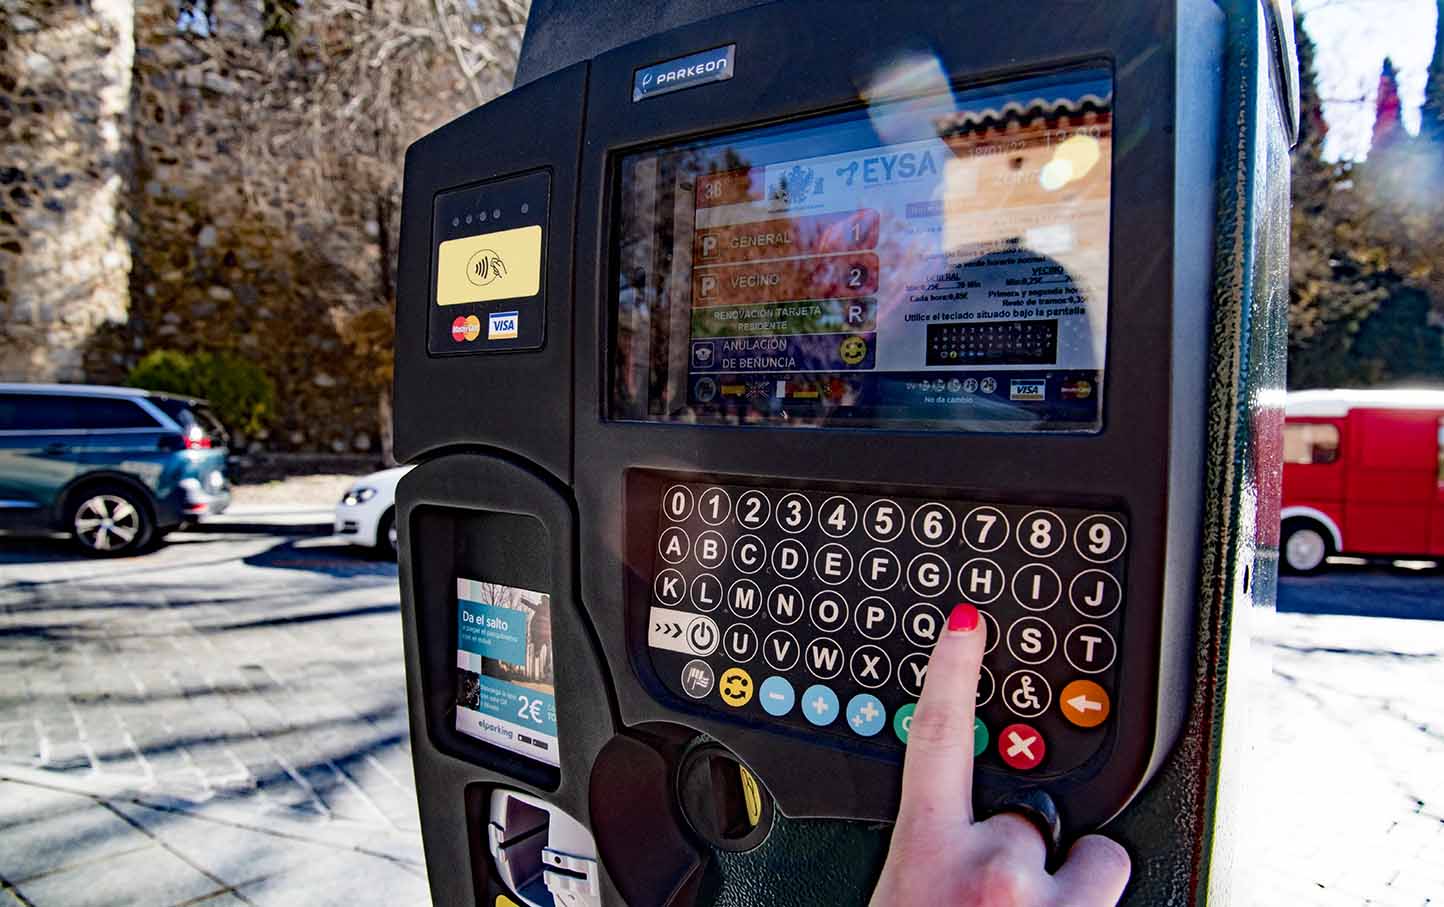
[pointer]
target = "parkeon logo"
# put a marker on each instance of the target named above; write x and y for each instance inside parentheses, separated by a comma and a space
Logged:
(715, 65)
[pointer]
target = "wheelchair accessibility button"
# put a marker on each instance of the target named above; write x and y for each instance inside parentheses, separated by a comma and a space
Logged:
(1026, 694)
(1021, 747)
(819, 705)
(776, 696)
(902, 721)
(866, 715)
(735, 687)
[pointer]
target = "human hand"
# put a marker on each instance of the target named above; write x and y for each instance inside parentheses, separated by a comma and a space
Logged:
(939, 855)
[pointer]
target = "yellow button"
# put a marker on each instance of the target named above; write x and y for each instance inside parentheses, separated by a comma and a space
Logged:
(736, 687)
(1084, 703)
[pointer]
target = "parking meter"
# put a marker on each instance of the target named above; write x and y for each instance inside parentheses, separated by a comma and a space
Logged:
(740, 341)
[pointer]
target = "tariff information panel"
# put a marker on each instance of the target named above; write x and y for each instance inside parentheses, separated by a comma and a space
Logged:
(505, 686)
(938, 263)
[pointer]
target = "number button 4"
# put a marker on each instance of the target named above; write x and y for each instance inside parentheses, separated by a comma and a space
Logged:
(838, 516)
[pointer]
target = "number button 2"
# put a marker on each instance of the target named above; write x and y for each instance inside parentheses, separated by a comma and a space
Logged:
(753, 509)
(1041, 533)
(933, 525)
(1100, 538)
(985, 529)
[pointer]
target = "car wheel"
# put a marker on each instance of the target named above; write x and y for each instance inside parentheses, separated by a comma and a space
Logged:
(110, 521)
(388, 544)
(1306, 547)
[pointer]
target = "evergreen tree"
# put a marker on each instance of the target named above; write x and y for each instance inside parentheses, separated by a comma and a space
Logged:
(1388, 126)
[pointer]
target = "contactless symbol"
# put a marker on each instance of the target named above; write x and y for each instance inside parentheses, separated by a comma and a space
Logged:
(819, 705)
(852, 350)
(980, 736)
(902, 721)
(1021, 747)
(484, 268)
(697, 678)
(776, 696)
(865, 714)
(736, 687)
(1084, 703)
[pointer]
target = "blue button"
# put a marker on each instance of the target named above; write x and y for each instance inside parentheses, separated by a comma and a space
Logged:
(777, 696)
(865, 714)
(819, 704)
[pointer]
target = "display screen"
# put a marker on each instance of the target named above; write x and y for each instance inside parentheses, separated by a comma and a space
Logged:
(506, 688)
(938, 262)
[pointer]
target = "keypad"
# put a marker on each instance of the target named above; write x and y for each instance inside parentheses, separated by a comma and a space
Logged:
(818, 610)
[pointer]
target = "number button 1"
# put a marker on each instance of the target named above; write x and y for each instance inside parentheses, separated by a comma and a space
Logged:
(985, 529)
(1041, 533)
(883, 520)
(715, 506)
(1100, 538)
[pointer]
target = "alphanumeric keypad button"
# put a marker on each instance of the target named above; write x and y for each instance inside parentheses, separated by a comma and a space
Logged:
(1095, 594)
(986, 687)
(706, 592)
(739, 641)
(874, 617)
(785, 604)
(1041, 533)
(929, 574)
(673, 544)
(670, 586)
(985, 529)
(1037, 587)
(883, 520)
(749, 554)
(1100, 538)
(837, 516)
(789, 558)
(780, 650)
(879, 569)
(677, 503)
(994, 634)
(744, 598)
(911, 672)
(710, 550)
(828, 611)
(714, 506)
(870, 666)
(922, 623)
(753, 509)
(1031, 640)
(794, 513)
(1090, 648)
(981, 581)
(824, 658)
(933, 525)
(832, 564)
(1026, 693)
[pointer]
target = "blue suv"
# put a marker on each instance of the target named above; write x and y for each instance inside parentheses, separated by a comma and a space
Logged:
(115, 467)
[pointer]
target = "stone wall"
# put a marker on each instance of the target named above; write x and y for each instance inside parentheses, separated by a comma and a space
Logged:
(65, 74)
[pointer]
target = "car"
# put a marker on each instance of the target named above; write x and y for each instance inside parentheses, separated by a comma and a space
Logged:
(115, 467)
(366, 514)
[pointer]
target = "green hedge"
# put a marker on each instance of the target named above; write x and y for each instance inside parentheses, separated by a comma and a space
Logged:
(239, 391)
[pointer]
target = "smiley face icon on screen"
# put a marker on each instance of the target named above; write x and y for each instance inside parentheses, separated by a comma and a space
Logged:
(852, 350)
(735, 687)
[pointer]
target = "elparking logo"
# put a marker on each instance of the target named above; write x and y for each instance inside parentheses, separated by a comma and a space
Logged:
(502, 325)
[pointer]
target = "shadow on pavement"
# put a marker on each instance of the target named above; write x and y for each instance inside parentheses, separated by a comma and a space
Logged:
(340, 561)
(1372, 591)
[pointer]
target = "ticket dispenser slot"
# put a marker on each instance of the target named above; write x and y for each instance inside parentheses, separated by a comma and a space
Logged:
(829, 315)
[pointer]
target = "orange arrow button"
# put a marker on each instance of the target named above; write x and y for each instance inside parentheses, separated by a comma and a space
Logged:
(1084, 703)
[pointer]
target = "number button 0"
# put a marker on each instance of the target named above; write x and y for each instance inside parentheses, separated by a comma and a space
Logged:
(838, 516)
(1041, 533)
(753, 509)
(883, 520)
(985, 529)
(715, 506)
(677, 503)
(794, 512)
(1100, 538)
(933, 525)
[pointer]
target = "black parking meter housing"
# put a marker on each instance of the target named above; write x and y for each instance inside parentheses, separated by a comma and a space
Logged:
(541, 469)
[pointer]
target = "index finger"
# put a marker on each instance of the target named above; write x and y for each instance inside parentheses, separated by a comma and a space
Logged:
(937, 787)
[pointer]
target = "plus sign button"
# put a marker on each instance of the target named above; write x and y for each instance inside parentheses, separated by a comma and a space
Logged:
(1021, 747)
(819, 705)
(865, 714)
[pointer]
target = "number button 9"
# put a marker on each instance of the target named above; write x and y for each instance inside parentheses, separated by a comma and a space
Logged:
(1100, 538)
(1041, 533)
(985, 529)
(883, 520)
(933, 525)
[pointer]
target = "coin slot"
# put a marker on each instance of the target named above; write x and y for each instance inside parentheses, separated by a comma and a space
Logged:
(723, 800)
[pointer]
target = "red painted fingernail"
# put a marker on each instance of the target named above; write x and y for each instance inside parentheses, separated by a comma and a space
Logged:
(963, 618)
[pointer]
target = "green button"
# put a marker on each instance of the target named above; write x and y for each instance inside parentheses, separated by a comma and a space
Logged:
(902, 721)
(980, 736)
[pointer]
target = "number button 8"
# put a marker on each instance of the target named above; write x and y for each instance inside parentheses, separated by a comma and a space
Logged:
(1041, 533)
(1100, 538)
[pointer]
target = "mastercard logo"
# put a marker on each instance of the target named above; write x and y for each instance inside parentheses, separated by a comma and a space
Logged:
(465, 328)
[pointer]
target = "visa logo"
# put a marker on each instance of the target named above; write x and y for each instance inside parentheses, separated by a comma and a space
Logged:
(1027, 390)
(502, 326)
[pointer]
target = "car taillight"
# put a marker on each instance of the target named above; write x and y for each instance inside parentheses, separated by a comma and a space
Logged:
(197, 439)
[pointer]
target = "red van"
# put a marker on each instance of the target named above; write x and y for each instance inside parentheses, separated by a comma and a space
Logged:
(1363, 476)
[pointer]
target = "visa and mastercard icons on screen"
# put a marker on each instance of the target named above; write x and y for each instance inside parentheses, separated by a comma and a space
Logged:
(465, 329)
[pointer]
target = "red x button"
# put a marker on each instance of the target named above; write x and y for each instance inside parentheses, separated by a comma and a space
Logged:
(1022, 747)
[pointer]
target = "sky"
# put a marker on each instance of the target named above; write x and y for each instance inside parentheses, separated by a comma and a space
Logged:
(1353, 37)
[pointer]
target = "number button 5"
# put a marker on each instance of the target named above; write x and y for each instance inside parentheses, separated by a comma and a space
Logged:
(1100, 538)
(883, 520)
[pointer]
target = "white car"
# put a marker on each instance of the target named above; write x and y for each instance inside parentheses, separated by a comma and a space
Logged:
(367, 512)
